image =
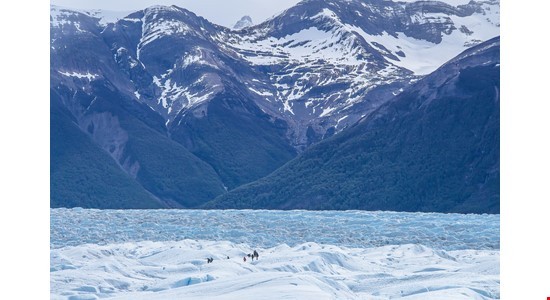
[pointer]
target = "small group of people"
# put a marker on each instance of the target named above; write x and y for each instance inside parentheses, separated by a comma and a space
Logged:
(252, 256)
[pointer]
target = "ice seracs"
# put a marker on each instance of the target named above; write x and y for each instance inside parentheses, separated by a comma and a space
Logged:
(113, 260)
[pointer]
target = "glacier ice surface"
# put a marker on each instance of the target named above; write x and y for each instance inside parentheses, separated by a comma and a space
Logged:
(269, 228)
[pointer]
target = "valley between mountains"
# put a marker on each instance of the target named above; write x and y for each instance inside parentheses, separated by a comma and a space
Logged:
(375, 105)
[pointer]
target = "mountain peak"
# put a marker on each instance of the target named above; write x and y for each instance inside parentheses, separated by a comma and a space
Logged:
(245, 21)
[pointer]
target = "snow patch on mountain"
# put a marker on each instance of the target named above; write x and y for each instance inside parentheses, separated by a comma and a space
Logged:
(87, 75)
(197, 56)
(175, 97)
(156, 30)
(60, 15)
(261, 93)
(106, 17)
(312, 58)
(423, 57)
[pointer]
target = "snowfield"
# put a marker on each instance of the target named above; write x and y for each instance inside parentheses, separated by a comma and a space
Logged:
(162, 254)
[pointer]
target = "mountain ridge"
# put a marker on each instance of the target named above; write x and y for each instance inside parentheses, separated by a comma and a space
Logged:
(301, 104)
(435, 148)
(175, 73)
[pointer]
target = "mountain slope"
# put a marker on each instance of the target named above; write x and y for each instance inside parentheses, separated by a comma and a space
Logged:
(163, 167)
(433, 148)
(236, 138)
(132, 69)
(319, 66)
(84, 175)
(189, 109)
(98, 96)
(329, 63)
(196, 86)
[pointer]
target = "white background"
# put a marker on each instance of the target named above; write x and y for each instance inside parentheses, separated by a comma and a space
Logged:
(525, 152)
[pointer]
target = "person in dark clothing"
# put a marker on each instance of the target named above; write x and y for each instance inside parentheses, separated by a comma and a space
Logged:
(256, 255)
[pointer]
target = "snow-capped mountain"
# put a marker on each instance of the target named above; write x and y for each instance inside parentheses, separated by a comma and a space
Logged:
(244, 22)
(330, 62)
(245, 101)
(434, 147)
(319, 65)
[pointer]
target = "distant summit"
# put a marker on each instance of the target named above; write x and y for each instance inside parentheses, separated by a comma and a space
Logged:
(245, 21)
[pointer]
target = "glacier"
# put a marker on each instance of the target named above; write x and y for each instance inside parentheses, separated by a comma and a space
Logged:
(268, 228)
(161, 254)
